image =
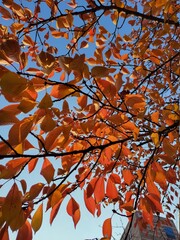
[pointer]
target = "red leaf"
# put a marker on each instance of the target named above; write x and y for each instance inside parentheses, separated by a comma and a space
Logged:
(12, 204)
(73, 210)
(111, 190)
(128, 176)
(55, 210)
(90, 203)
(32, 164)
(47, 170)
(107, 228)
(99, 191)
(4, 235)
(25, 232)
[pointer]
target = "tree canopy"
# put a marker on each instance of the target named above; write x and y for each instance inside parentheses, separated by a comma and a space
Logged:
(89, 101)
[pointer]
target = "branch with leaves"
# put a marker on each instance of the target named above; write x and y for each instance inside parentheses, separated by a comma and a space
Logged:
(89, 100)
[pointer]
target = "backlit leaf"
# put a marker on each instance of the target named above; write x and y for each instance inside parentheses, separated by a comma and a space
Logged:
(99, 71)
(12, 204)
(4, 234)
(99, 191)
(25, 232)
(111, 190)
(17, 83)
(155, 139)
(90, 203)
(107, 228)
(46, 102)
(37, 218)
(128, 176)
(73, 210)
(26, 105)
(47, 170)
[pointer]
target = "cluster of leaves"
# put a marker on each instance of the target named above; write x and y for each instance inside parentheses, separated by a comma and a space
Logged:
(92, 84)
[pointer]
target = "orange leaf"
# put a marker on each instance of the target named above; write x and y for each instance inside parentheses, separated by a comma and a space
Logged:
(34, 191)
(128, 176)
(156, 202)
(135, 101)
(91, 187)
(20, 130)
(168, 159)
(7, 118)
(155, 139)
(61, 91)
(12, 204)
(111, 190)
(37, 219)
(107, 228)
(155, 117)
(99, 191)
(26, 105)
(52, 137)
(99, 71)
(17, 83)
(90, 203)
(115, 178)
(47, 170)
(82, 101)
(48, 124)
(32, 164)
(12, 49)
(73, 210)
(55, 210)
(46, 102)
(25, 232)
(4, 234)
(169, 149)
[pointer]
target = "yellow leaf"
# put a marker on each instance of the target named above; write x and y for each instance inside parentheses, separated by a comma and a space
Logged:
(46, 102)
(17, 83)
(37, 219)
(155, 139)
(119, 3)
(19, 148)
(99, 71)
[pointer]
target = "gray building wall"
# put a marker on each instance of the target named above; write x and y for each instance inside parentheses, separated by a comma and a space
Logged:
(162, 230)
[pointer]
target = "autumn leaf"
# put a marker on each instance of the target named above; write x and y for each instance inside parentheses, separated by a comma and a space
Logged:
(12, 204)
(73, 210)
(37, 218)
(25, 232)
(17, 83)
(99, 191)
(45, 102)
(99, 71)
(4, 234)
(11, 49)
(128, 176)
(107, 228)
(155, 139)
(111, 190)
(90, 203)
(47, 170)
